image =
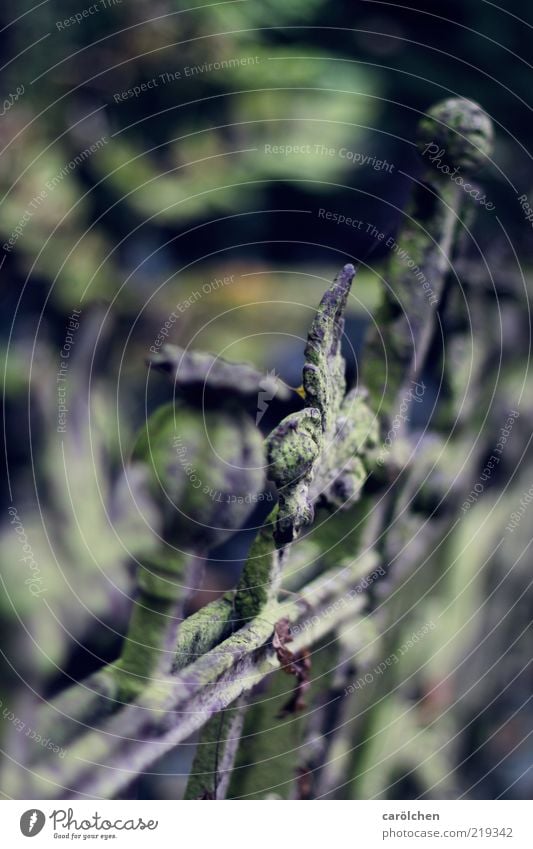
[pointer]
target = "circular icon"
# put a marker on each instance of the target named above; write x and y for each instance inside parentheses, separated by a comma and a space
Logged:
(32, 822)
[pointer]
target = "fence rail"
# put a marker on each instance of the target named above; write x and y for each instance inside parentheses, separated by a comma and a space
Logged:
(348, 453)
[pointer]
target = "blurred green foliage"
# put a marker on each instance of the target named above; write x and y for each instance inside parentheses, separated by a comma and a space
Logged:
(180, 192)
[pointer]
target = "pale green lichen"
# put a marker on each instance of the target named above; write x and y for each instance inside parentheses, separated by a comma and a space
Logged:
(315, 456)
(293, 449)
(259, 573)
(460, 129)
(459, 133)
(203, 630)
(207, 777)
(205, 459)
(322, 461)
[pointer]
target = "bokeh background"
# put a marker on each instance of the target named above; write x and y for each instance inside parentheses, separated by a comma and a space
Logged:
(144, 159)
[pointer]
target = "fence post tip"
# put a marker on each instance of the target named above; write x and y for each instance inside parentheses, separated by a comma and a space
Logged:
(458, 132)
